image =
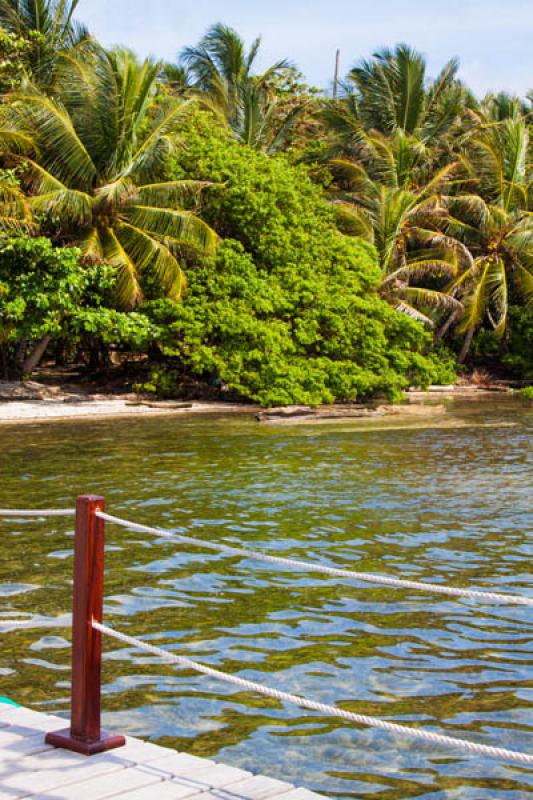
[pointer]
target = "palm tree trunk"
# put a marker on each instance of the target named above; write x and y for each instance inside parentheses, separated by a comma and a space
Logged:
(466, 345)
(36, 354)
(443, 330)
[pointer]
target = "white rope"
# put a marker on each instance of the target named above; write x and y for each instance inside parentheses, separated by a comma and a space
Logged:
(397, 583)
(303, 702)
(45, 512)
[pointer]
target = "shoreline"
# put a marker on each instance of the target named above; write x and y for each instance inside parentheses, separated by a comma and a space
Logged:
(23, 412)
(92, 409)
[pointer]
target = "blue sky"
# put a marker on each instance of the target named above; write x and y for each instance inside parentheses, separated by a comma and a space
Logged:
(493, 38)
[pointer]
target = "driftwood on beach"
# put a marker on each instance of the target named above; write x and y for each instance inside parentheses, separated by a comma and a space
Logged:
(308, 414)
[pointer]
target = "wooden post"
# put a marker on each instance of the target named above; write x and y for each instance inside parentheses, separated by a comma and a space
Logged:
(84, 735)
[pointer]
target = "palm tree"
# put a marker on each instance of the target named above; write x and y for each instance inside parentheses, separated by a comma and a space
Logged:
(98, 170)
(495, 224)
(220, 67)
(391, 92)
(263, 121)
(388, 197)
(50, 26)
(222, 74)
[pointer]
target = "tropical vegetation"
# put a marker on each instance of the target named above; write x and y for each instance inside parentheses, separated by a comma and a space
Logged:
(214, 228)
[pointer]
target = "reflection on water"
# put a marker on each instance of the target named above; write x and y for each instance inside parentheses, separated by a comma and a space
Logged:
(435, 500)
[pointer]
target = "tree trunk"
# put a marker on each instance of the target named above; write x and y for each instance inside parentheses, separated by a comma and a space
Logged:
(20, 353)
(36, 354)
(443, 330)
(5, 367)
(466, 345)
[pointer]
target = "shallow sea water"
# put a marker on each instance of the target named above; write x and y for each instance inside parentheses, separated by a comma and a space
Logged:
(446, 500)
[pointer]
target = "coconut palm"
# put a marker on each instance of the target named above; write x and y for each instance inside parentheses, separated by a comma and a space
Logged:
(392, 93)
(262, 120)
(221, 67)
(495, 224)
(222, 74)
(50, 26)
(388, 198)
(98, 170)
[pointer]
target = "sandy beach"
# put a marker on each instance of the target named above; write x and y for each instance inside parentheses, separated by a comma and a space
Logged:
(33, 402)
(32, 411)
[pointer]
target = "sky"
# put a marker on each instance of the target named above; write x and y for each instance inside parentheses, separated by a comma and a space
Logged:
(492, 38)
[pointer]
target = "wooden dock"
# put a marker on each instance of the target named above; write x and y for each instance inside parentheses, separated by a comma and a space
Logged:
(138, 771)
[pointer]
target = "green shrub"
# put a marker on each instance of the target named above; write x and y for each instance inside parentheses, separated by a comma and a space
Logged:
(526, 393)
(271, 341)
(47, 291)
(287, 310)
(41, 285)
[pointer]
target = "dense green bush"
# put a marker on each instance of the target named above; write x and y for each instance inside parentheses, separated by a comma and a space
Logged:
(45, 291)
(279, 344)
(41, 285)
(287, 310)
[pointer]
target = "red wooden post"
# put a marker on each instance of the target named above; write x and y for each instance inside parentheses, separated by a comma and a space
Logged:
(84, 735)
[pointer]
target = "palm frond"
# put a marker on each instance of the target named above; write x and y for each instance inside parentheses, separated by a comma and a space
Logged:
(177, 225)
(475, 294)
(148, 252)
(39, 179)
(128, 289)
(63, 154)
(440, 301)
(414, 313)
(498, 295)
(169, 194)
(524, 281)
(116, 193)
(353, 221)
(90, 244)
(417, 270)
(69, 205)
(150, 157)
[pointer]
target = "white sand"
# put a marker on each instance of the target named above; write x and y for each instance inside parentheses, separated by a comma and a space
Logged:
(16, 411)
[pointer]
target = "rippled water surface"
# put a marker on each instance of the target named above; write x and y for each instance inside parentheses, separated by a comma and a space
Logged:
(443, 500)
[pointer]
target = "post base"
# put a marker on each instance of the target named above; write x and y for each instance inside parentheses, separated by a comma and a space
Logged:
(66, 741)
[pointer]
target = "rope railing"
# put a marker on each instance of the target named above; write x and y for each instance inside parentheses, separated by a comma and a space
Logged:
(85, 735)
(385, 580)
(323, 708)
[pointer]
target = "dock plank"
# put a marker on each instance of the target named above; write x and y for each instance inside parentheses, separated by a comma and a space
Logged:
(258, 787)
(29, 768)
(110, 785)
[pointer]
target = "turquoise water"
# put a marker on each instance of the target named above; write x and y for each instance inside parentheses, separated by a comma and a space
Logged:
(444, 500)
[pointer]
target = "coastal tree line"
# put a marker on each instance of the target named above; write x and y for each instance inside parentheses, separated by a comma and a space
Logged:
(225, 230)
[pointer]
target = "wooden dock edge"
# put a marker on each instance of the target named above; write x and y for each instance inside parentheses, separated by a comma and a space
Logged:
(31, 768)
